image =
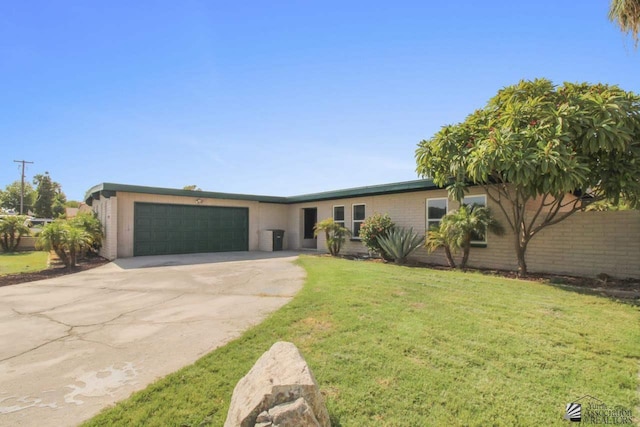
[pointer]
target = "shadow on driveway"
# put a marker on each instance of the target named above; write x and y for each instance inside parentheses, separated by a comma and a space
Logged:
(195, 259)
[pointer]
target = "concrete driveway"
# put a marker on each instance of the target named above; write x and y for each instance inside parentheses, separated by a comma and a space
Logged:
(73, 345)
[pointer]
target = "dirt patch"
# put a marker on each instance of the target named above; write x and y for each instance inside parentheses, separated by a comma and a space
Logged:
(55, 270)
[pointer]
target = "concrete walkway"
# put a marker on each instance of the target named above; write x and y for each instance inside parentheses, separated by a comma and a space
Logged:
(73, 345)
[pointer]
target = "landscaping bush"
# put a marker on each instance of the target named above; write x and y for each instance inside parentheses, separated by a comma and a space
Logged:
(12, 229)
(335, 234)
(372, 228)
(90, 223)
(70, 239)
(399, 243)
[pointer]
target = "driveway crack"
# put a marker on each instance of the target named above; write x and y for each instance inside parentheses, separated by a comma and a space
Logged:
(72, 333)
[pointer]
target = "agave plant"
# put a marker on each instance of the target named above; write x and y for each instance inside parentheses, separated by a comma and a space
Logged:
(399, 243)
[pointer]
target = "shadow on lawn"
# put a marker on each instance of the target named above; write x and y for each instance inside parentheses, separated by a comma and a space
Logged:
(622, 290)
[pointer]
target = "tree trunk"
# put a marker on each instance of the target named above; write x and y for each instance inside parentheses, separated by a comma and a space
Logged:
(521, 250)
(450, 261)
(465, 253)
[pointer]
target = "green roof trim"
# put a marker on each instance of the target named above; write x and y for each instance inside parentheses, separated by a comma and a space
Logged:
(108, 189)
(371, 190)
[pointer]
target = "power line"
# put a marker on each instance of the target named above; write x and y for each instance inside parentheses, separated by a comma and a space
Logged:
(22, 182)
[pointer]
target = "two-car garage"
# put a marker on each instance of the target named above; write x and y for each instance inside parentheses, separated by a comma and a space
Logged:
(162, 229)
(141, 221)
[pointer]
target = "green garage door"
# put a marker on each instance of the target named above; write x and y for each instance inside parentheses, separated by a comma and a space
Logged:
(162, 229)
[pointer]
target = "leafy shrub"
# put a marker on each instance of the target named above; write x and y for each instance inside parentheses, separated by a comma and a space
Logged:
(70, 239)
(443, 236)
(458, 228)
(89, 222)
(373, 227)
(12, 228)
(335, 234)
(399, 243)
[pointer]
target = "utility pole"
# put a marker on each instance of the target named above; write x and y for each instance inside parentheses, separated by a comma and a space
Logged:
(22, 181)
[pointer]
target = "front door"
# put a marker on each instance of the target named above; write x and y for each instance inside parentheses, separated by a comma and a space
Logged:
(309, 220)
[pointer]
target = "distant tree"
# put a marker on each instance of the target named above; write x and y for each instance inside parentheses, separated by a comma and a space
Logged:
(10, 197)
(627, 15)
(72, 204)
(535, 144)
(58, 208)
(49, 193)
(192, 188)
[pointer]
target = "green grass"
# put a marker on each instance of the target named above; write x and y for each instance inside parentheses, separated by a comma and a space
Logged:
(399, 346)
(22, 262)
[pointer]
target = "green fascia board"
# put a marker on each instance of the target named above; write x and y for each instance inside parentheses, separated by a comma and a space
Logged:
(108, 189)
(372, 190)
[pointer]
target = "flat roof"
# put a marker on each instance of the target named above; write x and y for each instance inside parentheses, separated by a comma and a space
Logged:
(108, 189)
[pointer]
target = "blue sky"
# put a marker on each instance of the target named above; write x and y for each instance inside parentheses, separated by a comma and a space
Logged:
(272, 97)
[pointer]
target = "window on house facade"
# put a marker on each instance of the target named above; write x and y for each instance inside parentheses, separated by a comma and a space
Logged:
(338, 215)
(358, 219)
(479, 200)
(436, 209)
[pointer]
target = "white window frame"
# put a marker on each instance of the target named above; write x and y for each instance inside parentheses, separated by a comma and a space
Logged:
(354, 220)
(484, 196)
(333, 211)
(446, 206)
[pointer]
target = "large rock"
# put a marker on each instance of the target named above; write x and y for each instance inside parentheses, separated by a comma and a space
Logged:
(280, 376)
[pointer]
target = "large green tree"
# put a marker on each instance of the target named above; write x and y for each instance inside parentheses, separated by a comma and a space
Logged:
(534, 144)
(50, 198)
(627, 15)
(10, 197)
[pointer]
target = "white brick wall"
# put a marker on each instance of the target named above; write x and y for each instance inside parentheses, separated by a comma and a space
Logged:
(585, 244)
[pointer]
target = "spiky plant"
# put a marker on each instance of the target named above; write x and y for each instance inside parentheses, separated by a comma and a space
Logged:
(399, 243)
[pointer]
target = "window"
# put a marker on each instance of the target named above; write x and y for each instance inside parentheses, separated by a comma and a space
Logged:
(358, 219)
(436, 209)
(480, 200)
(338, 215)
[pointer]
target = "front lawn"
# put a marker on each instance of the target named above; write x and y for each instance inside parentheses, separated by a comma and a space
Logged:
(22, 262)
(399, 346)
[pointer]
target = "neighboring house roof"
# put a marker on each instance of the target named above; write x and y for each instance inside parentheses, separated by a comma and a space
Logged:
(108, 189)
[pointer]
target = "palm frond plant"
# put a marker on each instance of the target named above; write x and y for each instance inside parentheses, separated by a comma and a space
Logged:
(627, 13)
(443, 236)
(12, 229)
(335, 234)
(469, 223)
